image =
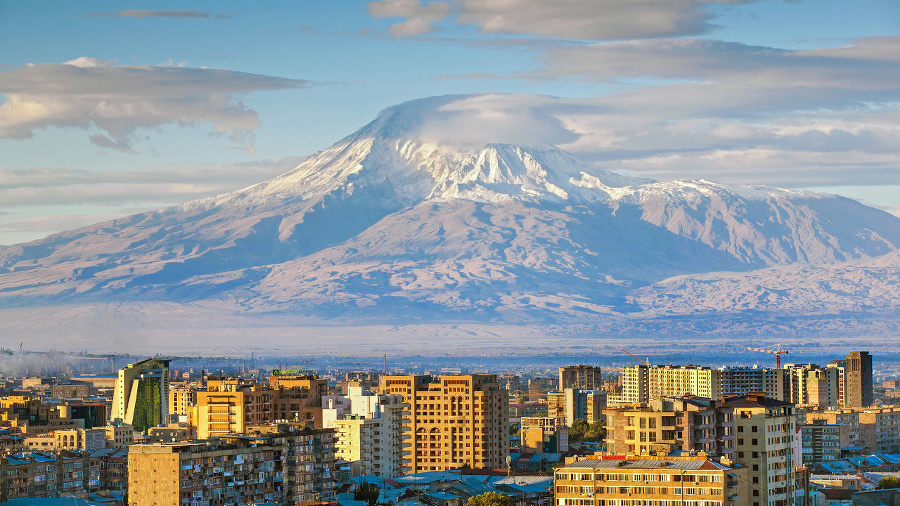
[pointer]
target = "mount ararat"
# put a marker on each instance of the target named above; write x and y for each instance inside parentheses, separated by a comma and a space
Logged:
(385, 228)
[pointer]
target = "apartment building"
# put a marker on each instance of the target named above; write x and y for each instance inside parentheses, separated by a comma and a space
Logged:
(858, 371)
(875, 429)
(181, 398)
(285, 466)
(542, 434)
(119, 435)
(764, 442)
(582, 377)
(62, 473)
(141, 395)
(822, 442)
(451, 421)
(689, 424)
(812, 385)
(642, 383)
(371, 444)
(217, 413)
(68, 439)
(649, 481)
(23, 414)
(740, 380)
(574, 403)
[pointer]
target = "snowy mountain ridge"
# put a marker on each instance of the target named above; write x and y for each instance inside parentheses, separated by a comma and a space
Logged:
(385, 225)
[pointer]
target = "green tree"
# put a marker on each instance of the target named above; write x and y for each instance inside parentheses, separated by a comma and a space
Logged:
(596, 431)
(889, 482)
(490, 499)
(578, 429)
(368, 492)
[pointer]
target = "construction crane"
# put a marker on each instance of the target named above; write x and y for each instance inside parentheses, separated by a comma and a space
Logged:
(775, 350)
(642, 362)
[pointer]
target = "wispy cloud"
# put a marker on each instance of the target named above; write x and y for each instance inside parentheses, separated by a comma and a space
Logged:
(172, 184)
(123, 99)
(183, 14)
(571, 19)
(35, 202)
(705, 109)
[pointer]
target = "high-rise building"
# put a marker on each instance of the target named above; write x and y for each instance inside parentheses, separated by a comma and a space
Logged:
(141, 396)
(181, 398)
(764, 442)
(740, 380)
(285, 466)
(218, 413)
(858, 377)
(875, 430)
(583, 377)
(689, 424)
(642, 383)
(452, 421)
(822, 442)
(649, 481)
(371, 442)
(574, 403)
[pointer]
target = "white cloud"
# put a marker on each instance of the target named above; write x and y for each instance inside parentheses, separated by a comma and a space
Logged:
(573, 19)
(37, 201)
(420, 18)
(171, 184)
(122, 99)
(855, 67)
(765, 115)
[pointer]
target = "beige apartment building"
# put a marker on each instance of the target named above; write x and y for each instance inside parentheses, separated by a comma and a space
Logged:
(372, 444)
(181, 398)
(543, 434)
(219, 413)
(876, 429)
(68, 439)
(764, 443)
(451, 421)
(642, 383)
(284, 467)
(574, 403)
(582, 377)
(690, 424)
(650, 481)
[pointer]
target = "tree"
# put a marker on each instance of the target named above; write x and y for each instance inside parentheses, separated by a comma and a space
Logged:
(490, 499)
(578, 429)
(889, 482)
(596, 431)
(368, 492)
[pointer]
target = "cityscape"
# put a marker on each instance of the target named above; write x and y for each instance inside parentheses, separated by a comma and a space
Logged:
(450, 253)
(163, 431)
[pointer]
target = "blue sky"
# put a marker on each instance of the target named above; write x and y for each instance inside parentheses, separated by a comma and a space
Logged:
(110, 108)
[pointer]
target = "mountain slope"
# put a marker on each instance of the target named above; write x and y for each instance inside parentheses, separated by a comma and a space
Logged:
(387, 226)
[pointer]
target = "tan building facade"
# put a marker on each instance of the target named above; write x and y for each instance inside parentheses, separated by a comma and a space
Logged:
(283, 468)
(545, 434)
(642, 383)
(649, 481)
(764, 442)
(451, 421)
(583, 377)
(372, 444)
(690, 424)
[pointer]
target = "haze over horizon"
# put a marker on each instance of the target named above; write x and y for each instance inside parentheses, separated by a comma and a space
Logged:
(107, 110)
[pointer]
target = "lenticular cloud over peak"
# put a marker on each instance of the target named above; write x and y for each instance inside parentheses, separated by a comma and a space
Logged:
(472, 121)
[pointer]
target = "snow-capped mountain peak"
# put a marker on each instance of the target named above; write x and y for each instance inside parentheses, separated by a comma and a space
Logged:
(388, 218)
